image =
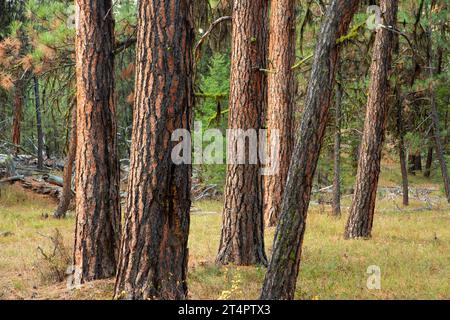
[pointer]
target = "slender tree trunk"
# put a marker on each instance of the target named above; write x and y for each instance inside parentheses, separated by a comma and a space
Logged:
(66, 196)
(17, 115)
(242, 240)
(281, 93)
(429, 162)
(360, 221)
(154, 254)
(97, 231)
(435, 120)
(336, 206)
(437, 139)
(40, 134)
(281, 276)
(401, 147)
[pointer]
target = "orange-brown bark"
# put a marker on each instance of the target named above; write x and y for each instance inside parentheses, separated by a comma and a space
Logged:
(280, 106)
(360, 221)
(154, 253)
(242, 239)
(97, 231)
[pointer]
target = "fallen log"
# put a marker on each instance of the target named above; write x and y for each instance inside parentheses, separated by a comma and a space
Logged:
(12, 179)
(41, 187)
(55, 180)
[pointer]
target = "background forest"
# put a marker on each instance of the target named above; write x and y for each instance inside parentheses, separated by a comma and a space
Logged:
(411, 238)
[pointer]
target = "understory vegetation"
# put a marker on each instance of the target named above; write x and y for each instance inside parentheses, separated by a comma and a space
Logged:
(409, 244)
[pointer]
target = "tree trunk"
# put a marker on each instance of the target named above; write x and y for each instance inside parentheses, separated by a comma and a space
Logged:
(336, 206)
(17, 115)
(281, 276)
(281, 93)
(418, 161)
(435, 121)
(40, 134)
(415, 162)
(429, 162)
(438, 143)
(97, 231)
(401, 147)
(66, 195)
(154, 255)
(360, 221)
(242, 240)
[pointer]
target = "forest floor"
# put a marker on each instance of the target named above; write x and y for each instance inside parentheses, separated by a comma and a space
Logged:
(410, 245)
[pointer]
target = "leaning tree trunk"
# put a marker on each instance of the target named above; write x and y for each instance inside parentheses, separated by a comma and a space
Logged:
(66, 195)
(242, 240)
(280, 107)
(360, 221)
(40, 134)
(281, 276)
(17, 115)
(154, 254)
(336, 206)
(435, 120)
(97, 231)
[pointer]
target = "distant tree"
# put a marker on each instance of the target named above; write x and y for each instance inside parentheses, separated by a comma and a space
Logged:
(360, 221)
(401, 144)
(17, 114)
(242, 240)
(40, 134)
(281, 276)
(440, 150)
(154, 253)
(97, 231)
(336, 205)
(280, 107)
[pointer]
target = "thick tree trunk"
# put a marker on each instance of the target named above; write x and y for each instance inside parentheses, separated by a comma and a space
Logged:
(66, 195)
(360, 221)
(401, 148)
(336, 206)
(281, 276)
(97, 231)
(40, 134)
(429, 162)
(281, 93)
(17, 115)
(154, 254)
(242, 240)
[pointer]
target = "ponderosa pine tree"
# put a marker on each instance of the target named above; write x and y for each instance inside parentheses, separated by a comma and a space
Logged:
(281, 276)
(242, 240)
(280, 106)
(97, 232)
(360, 221)
(154, 253)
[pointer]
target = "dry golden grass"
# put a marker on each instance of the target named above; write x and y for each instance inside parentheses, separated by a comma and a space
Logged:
(410, 245)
